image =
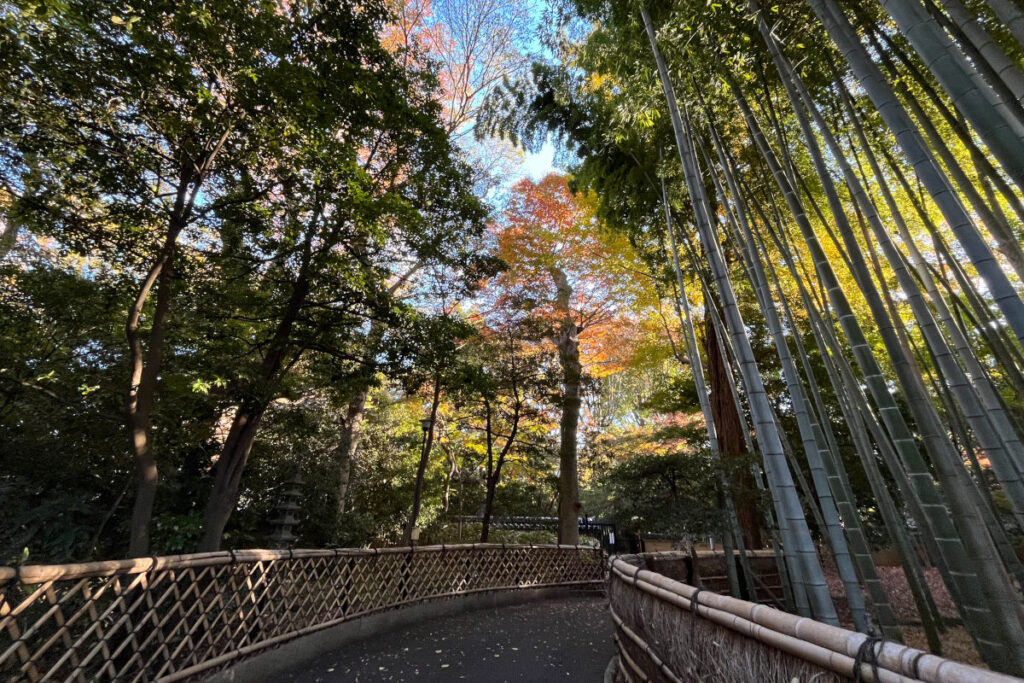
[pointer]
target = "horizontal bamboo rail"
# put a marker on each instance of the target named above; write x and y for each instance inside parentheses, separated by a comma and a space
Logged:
(176, 617)
(655, 614)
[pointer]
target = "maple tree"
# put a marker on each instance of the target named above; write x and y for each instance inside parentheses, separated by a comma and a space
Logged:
(567, 275)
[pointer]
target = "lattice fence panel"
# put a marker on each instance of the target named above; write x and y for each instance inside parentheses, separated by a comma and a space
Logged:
(173, 618)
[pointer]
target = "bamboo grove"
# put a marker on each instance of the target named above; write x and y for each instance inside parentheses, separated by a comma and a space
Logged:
(856, 168)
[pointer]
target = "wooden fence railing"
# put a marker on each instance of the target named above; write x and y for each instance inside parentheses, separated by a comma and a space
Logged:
(172, 618)
(666, 630)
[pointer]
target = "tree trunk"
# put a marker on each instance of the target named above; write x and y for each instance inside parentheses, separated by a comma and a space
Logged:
(567, 341)
(428, 444)
(492, 487)
(351, 435)
(727, 500)
(731, 445)
(228, 478)
(494, 468)
(142, 390)
(8, 235)
(238, 444)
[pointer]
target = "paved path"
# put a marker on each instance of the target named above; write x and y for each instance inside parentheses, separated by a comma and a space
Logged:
(560, 639)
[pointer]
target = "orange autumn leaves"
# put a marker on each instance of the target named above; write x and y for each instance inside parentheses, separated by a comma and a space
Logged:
(547, 232)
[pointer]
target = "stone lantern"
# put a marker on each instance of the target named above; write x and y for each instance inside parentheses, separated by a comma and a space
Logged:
(287, 517)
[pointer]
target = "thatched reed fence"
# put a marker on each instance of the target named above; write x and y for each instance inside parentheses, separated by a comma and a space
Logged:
(707, 568)
(174, 618)
(667, 630)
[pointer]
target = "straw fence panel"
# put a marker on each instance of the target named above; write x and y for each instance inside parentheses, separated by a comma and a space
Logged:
(173, 618)
(669, 631)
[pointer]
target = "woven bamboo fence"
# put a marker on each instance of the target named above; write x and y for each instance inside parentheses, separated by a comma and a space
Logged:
(174, 618)
(669, 631)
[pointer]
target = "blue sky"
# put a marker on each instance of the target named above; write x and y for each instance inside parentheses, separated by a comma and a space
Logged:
(538, 165)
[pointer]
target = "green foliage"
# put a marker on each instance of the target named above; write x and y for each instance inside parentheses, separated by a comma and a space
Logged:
(669, 494)
(295, 165)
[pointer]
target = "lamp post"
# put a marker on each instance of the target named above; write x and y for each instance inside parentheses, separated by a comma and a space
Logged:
(427, 424)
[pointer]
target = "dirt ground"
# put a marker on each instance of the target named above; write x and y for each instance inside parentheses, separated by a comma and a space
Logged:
(956, 644)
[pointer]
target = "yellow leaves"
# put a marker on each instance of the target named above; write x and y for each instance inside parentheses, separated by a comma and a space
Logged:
(596, 82)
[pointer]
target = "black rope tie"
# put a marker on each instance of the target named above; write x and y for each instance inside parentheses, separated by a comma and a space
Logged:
(234, 558)
(148, 594)
(695, 608)
(695, 601)
(867, 654)
(915, 664)
(153, 559)
(11, 585)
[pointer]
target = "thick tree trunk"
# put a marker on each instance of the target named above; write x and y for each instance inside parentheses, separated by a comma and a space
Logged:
(567, 340)
(235, 453)
(421, 470)
(729, 430)
(229, 469)
(727, 499)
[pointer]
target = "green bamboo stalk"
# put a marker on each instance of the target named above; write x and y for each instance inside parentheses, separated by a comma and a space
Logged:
(799, 544)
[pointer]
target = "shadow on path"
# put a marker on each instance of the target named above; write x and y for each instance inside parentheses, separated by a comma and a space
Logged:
(559, 639)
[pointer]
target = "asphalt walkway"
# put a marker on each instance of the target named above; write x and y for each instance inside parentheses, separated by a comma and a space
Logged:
(558, 639)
